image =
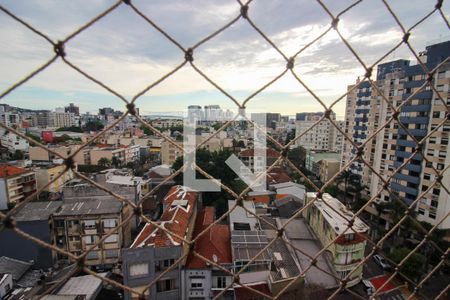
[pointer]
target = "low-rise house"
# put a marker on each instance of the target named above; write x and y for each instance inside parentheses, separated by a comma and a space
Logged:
(202, 279)
(155, 250)
(289, 188)
(33, 218)
(82, 221)
(329, 220)
(86, 287)
(15, 185)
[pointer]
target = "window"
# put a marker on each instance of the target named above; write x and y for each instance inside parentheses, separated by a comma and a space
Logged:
(109, 223)
(92, 255)
(165, 285)
(111, 239)
(161, 265)
(111, 253)
(89, 224)
(432, 215)
(196, 284)
(138, 269)
(220, 282)
(89, 239)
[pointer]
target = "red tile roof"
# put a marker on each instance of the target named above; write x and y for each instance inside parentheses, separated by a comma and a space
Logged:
(214, 244)
(250, 152)
(6, 170)
(259, 199)
(175, 218)
(378, 281)
(277, 175)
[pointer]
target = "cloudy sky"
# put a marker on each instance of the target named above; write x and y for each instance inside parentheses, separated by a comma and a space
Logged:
(124, 52)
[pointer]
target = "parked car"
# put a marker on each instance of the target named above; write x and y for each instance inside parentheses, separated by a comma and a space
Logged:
(381, 262)
(370, 289)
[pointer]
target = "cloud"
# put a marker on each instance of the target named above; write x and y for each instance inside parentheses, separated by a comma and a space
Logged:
(125, 52)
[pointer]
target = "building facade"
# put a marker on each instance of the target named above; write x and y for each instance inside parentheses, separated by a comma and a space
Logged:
(421, 112)
(154, 250)
(321, 136)
(15, 185)
(328, 218)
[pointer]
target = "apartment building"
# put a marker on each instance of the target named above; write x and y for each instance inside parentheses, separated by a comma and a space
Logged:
(328, 218)
(37, 154)
(154, 250)
(84, 220)
(47, 172)
(15, 185)
(14, 142)
(62, 119)
(169, 152)
(398, 81)
(322, 136)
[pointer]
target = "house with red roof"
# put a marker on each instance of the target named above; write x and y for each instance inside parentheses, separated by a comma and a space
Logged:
(157, 247)
(255, 161)
(201, 277)
(15, 185)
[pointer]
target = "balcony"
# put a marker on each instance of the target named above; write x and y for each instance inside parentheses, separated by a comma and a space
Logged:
(418, 108)
(402, 188)
(415, 132)
(407, 178)
(409, 167)
(406, 143)
(407, 155)
(414, 120)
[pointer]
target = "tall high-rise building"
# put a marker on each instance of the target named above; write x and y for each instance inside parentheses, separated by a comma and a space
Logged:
(367, 112)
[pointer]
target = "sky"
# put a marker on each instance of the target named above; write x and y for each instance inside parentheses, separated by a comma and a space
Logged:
(127, 54)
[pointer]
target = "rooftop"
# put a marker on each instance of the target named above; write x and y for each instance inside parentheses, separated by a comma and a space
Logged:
(337, 215)
(17, 268)
(6, 171)
(214, 244)
(37, 211)
(180, 203)
(90, 206)
(299, 235)
(246, 244)
(241, 216)
(87, 285)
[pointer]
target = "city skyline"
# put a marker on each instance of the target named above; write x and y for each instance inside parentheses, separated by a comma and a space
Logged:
(120, 50)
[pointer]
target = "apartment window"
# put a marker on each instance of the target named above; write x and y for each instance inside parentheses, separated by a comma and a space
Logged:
(434, 203)
(196, 284)
(138, 269)
(221, 282)
(161, 265)
(444, 141)
(436, 192)
(432, 215)
(436, 114)
(89, 239)
(165, 285)
(421, 211)
(109, 223)
(89, 224)
(111, 253)
(112, 238)
(92, 255)
(440, 166)
(427, 176)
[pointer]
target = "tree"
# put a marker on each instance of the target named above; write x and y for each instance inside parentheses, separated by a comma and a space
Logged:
(94, 126)
(18, 155)
(71, 129)
(297, 156)
(104, 162)
(33, 136)
(413, 266)
(116, 162)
